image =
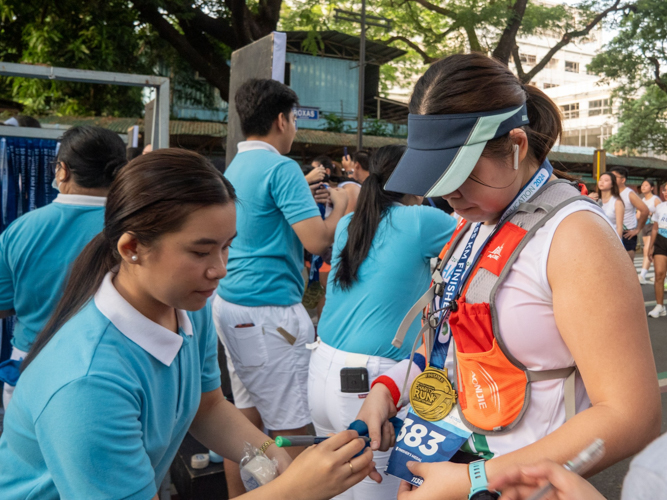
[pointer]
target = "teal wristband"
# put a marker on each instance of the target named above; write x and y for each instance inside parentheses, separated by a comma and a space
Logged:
(478, 481)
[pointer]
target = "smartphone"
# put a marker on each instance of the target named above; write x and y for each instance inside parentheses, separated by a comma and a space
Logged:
(354, 380)
(344, 151)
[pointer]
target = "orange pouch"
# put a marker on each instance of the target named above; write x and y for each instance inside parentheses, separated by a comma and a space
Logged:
(491, 390)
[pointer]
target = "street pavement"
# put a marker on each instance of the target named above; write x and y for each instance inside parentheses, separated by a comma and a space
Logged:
(610, 481)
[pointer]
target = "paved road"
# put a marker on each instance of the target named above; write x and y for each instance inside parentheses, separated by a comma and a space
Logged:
(609, 482)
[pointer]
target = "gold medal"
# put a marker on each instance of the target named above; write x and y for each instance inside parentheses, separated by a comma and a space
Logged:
(432, 395)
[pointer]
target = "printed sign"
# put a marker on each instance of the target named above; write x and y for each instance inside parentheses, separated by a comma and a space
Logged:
(307, 113)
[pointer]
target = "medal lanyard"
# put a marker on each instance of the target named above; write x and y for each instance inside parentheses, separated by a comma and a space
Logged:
(460, 274)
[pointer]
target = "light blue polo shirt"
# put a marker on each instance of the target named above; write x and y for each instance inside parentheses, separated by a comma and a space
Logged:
(102, 410)
(36, 253)
(266, 258)
(396, 272)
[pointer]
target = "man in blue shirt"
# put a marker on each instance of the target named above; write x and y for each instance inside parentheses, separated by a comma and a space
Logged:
(257, 311)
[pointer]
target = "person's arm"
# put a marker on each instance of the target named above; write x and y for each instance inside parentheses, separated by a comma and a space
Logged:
(316, 175)
(352, 191)
(619, 211)
(604, 330)
(644, 213)
(654, 235)
(317, 234)
(221, 427)
(520, 482)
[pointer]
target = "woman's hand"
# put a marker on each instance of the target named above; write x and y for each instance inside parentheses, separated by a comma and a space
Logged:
(442, 481)
(376, 411)
(317, 174)
(279, 455)
(519, 482)
(327, 469)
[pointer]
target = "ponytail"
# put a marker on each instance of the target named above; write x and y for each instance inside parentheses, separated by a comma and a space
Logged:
(151, 196)
(372, 206)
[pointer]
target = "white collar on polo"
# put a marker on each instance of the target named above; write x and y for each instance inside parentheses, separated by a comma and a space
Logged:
(244, 146)
(81, 199)
(155, 339)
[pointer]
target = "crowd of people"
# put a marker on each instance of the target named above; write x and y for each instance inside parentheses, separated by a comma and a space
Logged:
(484, 323)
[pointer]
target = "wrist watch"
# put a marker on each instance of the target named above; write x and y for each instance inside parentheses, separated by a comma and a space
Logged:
(478, 482)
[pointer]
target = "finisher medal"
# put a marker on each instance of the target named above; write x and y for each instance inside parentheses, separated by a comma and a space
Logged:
(432, 395)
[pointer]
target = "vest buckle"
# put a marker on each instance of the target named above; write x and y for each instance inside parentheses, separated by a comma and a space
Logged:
(439, 289)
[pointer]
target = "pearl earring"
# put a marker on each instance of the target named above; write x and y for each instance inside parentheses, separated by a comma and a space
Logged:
(516, 157)
(134, 258)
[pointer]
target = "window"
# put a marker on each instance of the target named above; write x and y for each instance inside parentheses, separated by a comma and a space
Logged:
(552, 64)
(570, 110)
(528, 59)
(550, 85)
(599, 107)
(572, 67)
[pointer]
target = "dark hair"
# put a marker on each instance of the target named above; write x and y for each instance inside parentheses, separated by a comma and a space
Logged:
(622, 171)
(362, 157)
(153, 195)
(614, 186)
(307, 168)
(28, 121)
(260, 102)
(92, 154)
(372, 205)
(470, 83)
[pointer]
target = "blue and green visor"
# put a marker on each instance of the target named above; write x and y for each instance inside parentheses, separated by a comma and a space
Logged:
(443, 149)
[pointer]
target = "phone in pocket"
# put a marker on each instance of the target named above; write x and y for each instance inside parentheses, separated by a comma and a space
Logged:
(354, 380)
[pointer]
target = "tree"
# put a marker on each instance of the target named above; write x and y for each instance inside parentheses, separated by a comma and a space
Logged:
(204, 33)
(96, 34)
(431, 30)
(636, 59)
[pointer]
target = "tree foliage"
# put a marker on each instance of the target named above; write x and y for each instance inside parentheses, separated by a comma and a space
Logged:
(430, 30)
(635, 60)
(96, 34)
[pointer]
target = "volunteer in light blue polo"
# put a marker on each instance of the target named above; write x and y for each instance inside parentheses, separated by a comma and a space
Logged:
(146, 373)
(380, 267)
(37, 250)
(128, 361)
(258, 311)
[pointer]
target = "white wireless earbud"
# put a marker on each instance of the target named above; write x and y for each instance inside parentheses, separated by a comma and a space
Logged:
(516, 157)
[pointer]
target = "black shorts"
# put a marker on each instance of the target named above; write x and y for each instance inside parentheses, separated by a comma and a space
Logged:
(660, 246)
(630, 244)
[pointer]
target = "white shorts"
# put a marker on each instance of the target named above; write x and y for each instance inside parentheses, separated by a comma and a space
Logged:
(267, 370)
(8, 390)
(333, 410)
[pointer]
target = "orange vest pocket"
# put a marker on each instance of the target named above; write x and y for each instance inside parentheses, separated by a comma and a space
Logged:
(491, 389)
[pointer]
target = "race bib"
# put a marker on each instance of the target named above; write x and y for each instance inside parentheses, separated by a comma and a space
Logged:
(424, 441)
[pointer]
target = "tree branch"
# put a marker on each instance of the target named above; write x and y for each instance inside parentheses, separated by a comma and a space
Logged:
(427, 59)
(215, 74)
(440, 10)
(517, 62)
(507, 40)
(268, 16)
(567, 38)
(656, 71)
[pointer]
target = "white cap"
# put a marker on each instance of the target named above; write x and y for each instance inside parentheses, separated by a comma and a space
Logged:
(199, 461)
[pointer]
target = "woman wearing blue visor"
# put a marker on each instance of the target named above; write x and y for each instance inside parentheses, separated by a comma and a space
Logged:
(527, 350)
(128, 362)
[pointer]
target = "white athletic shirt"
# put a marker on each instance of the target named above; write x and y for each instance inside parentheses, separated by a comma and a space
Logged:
(609, 210)
(630, 214)
(660, 217)
(525, 306)
(650, 204)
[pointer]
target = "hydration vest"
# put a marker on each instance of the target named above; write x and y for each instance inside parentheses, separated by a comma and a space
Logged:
(493, 386)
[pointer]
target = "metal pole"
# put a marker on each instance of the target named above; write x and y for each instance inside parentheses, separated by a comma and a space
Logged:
(161, 122)
(362, 67)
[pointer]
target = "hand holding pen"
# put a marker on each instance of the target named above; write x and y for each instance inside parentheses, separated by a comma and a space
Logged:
(563, 482)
